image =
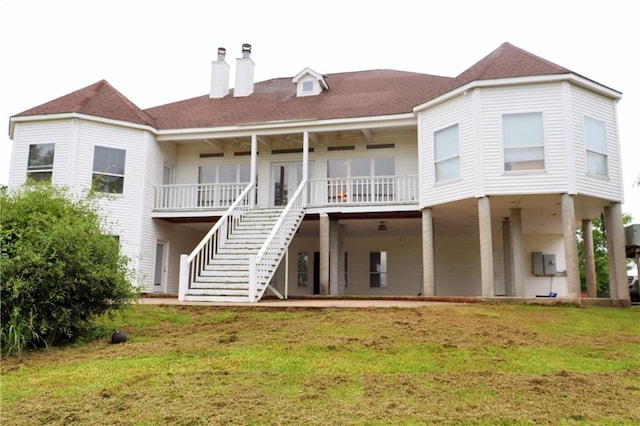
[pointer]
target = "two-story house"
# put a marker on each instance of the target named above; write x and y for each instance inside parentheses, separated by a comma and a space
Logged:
(376, 182)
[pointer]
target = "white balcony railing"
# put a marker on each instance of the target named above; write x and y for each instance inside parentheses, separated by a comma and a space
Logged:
(364, 190)
(196, 196)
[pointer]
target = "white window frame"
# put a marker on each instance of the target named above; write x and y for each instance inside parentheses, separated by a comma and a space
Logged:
(446, 158)
(523, 150)
(36, 167)
(303, 269)
(112, 174)
(595, 141)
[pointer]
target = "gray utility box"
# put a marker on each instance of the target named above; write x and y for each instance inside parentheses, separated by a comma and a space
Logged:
(632, 235)
(543, 264)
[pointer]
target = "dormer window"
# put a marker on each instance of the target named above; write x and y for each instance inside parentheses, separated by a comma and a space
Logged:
(309, 83)
(307, 86)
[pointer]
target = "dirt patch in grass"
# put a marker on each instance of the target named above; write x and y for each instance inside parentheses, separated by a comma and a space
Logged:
(480, 364)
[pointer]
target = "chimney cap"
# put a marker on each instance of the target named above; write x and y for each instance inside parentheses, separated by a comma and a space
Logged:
(221, 53)
(246, 50)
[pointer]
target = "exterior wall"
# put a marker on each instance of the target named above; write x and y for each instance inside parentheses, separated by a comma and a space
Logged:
(479, 114)
(75, 140)
(547, 244)
(58, 132)
(583, 104)
(154, 157)
(457, 111)
(457, 265)
(404, 262)
(546, 98)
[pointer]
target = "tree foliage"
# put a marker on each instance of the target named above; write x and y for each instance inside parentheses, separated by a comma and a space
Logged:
(58, 267)
(600, 255)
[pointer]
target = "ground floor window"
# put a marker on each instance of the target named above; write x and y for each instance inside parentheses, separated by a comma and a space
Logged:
(378, 269)
(303, 269)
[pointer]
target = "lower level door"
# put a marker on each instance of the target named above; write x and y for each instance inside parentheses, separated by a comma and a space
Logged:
(160, 271)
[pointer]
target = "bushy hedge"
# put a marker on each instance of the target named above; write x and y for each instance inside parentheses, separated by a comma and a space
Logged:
(59, 268)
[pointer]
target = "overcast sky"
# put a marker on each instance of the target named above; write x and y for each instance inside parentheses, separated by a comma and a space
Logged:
(156, 51)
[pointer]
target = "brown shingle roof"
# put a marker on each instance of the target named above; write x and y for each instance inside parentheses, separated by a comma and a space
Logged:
(355, 94)
(351, 94)
(509, 61)
(99, 99)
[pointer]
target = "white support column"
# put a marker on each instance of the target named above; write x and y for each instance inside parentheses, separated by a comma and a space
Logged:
(570, 245)
(183, 281)
(324, 254)
(286, 273)
(589, 258)
(618, 283)
(334, 258)
(507, 255)
(254, 167)
(486, 247)
(305, 164)
(428, 254)
(517, 250)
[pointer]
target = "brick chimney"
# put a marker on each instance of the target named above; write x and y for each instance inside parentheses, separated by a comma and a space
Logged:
(244, 73)
(219, 76)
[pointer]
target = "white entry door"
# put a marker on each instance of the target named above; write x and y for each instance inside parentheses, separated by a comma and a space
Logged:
(160, 270)
(285, 178)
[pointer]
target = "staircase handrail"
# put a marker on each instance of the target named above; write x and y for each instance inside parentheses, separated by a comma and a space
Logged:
(293, 209)
(223, 220)
(208, 246)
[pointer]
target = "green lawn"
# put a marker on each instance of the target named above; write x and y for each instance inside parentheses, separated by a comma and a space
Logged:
(444, 364)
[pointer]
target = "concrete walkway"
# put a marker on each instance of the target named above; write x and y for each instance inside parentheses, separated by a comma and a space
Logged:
(308, 303)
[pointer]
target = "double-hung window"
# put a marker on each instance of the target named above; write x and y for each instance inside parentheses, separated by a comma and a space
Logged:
(523, 141)
(447, 153)
(40, 165)
(595, 138)
(108, 169)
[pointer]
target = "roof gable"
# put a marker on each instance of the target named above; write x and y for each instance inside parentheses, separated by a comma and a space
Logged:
(99, 99)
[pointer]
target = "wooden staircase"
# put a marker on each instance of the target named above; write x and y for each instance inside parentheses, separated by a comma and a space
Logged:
(225, 278)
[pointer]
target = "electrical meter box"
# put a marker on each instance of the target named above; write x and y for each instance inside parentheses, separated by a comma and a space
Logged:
(543, 264)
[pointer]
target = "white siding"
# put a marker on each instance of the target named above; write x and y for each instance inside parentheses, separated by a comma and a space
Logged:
(458, 111)
(58, 132)
(123, 211)
(545, 98)
(583, 104)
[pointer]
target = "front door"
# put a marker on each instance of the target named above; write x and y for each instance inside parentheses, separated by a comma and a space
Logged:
(160, 270)
(285, 177)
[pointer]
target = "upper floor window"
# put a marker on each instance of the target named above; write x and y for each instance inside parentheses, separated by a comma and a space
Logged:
(447, 153)
(595, 137)
(523, 141)
(108, 169)
(40, 165)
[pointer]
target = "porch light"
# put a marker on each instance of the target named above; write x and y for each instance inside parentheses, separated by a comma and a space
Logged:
(382, 227)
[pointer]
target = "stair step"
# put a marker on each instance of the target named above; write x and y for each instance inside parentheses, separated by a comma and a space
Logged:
(217, 292)
(199, 285)
(220, 299)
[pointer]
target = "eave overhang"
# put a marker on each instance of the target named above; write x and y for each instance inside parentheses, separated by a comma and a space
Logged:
(519, 81)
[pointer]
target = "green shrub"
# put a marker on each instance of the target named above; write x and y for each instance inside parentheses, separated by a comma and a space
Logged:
(59, 268)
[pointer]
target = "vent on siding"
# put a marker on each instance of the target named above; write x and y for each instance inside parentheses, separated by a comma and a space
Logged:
(241, 153)
(342, 148)
(289, 151)
(212, 155)
(382, 146)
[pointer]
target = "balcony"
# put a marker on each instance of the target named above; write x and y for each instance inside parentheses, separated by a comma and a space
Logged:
(375, 190)
(190, 197)
(345, 192)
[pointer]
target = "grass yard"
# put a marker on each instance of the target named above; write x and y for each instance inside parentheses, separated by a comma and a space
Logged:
(444, 364)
